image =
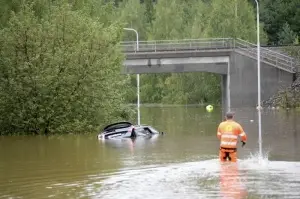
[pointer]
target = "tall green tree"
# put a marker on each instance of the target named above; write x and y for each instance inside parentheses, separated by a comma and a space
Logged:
(190, 9)
(202, 16)
(286, 35)
(131, 13)
(192, 88)
(168, 23)
(6, 7)
(275, 13)
(224, 18)
(149, 11)
(152, 87)
(58, 73)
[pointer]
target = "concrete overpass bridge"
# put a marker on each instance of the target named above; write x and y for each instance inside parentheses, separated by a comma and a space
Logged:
(234, 59)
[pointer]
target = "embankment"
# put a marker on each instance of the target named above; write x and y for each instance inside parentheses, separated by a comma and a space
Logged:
(286, 98)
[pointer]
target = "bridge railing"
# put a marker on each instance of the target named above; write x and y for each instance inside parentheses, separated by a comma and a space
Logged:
(272, 57)
(177, 45)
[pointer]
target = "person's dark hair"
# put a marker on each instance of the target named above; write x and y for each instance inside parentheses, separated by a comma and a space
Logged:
(229, 115)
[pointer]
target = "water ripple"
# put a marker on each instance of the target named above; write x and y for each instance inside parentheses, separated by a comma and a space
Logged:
(204, 179)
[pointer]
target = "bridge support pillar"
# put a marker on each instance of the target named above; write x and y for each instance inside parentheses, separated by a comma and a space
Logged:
(224, 93)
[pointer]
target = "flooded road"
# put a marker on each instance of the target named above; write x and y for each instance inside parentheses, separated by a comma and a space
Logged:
(183, 163)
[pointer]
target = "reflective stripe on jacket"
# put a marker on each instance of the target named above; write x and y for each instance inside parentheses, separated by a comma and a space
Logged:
(228, 133)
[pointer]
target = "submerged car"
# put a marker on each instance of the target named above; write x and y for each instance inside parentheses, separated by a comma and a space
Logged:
(127, 130)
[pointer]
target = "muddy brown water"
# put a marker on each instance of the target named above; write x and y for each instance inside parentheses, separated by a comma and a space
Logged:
(183, 163)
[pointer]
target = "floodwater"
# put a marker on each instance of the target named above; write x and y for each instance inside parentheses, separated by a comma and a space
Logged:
(181, 164)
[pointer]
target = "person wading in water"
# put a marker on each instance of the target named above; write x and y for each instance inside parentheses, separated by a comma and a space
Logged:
(228, 132)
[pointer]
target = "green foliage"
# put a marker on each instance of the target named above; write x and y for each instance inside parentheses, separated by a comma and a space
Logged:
(296, 41)
(286, 35)
(276, 13)
(201, 18)
(193, 88)
(153, 87)
(223, 18)
(6, 7)
(149, 11)
(104, 12)
(131, 13)
(168, 23)
(294, 50)
(58, 74)
(60, 62)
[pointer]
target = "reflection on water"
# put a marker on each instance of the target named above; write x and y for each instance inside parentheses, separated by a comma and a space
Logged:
(183, 163)
(231, 184)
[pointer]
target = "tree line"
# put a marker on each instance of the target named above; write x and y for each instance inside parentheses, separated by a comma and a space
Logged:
(60, 60)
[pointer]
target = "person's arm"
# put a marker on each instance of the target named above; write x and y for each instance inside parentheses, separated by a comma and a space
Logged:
(243, 135)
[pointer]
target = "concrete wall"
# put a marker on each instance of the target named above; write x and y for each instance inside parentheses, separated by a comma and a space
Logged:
(177, 65)
(243, 81)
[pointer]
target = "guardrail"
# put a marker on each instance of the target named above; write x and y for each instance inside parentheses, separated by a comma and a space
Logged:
(269, 56)
(177, 45)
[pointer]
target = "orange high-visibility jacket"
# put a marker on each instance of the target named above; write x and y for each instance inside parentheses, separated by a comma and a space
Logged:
(228, 133)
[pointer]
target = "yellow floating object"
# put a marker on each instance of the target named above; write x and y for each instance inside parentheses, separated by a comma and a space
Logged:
(209, 108)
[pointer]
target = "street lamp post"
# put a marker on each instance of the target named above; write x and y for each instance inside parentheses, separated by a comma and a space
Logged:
(137, 76)
(258, 81)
